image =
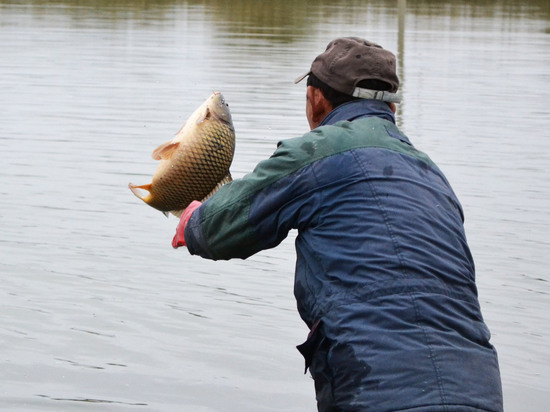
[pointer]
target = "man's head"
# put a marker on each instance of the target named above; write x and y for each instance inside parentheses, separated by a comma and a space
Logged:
(350, 68)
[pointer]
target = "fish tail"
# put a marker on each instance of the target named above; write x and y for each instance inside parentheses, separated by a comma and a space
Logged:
(136, 190)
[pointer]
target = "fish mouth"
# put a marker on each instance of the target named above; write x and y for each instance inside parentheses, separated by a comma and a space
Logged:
(219, 109)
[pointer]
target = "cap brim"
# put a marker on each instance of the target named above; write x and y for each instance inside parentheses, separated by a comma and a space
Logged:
(302, 77)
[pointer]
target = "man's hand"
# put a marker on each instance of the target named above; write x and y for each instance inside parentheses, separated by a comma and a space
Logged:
(179, 238)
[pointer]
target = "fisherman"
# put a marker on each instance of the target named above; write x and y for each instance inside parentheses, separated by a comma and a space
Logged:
(384, 276)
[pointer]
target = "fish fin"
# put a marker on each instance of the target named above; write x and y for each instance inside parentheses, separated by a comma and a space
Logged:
(222, 182)
(226, 179)
(165, 150)
(177, 213)
(206, 115)
(135, 189)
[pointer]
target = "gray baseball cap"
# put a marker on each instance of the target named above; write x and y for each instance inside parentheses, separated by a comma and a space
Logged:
(349, 60)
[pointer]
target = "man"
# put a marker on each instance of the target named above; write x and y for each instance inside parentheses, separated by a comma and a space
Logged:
(384, 276)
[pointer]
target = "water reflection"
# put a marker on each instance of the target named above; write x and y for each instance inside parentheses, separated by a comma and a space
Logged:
(281, 16)
(95, 304)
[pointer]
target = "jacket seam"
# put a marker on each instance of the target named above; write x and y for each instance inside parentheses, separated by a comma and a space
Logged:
(430, 348)
(318, 189)
(384, 213)
(430, 407)
(405, 274)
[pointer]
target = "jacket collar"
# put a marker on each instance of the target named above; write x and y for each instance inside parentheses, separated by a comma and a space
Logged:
(357, 109)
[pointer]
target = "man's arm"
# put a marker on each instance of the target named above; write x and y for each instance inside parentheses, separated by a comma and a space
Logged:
(255, 212)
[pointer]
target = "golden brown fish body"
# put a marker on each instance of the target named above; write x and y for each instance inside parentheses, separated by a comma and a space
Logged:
(195, 163)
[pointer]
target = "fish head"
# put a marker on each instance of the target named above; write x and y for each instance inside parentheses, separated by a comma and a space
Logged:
(214, 108)
(217, 107)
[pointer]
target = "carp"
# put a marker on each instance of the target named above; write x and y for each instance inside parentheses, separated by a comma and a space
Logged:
(195, 163)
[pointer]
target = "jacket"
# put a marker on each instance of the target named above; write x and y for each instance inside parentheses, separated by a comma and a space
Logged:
(384, 276)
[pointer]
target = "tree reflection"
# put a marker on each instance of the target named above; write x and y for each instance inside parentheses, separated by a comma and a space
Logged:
(283, 20)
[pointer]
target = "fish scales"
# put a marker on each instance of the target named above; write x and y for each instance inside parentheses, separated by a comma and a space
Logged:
(196, 162)
(198, 170)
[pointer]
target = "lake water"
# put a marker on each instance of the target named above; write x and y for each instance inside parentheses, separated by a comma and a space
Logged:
(99, 313)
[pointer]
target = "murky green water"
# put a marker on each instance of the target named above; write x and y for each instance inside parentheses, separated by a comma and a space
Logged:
(99, 313)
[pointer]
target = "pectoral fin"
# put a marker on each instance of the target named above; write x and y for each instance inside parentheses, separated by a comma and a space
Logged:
(206, 115)
(165, 150)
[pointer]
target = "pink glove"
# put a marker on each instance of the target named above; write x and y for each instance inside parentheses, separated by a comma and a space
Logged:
(179, 238)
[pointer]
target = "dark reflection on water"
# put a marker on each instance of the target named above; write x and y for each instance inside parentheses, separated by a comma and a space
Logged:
(280, 16)
(98, 310)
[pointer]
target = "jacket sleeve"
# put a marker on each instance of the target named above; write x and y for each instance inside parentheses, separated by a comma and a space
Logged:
(255, 212)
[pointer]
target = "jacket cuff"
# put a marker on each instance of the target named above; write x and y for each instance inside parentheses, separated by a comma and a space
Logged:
(194, 237)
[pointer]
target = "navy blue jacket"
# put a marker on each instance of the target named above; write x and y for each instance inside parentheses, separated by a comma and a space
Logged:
(384, 276)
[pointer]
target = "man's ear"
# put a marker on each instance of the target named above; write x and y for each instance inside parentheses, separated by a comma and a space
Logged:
(319, 105)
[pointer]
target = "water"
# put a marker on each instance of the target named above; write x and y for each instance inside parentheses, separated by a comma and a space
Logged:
(99, 313)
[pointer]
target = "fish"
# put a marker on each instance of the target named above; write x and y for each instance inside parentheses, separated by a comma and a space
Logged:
(195, 163)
